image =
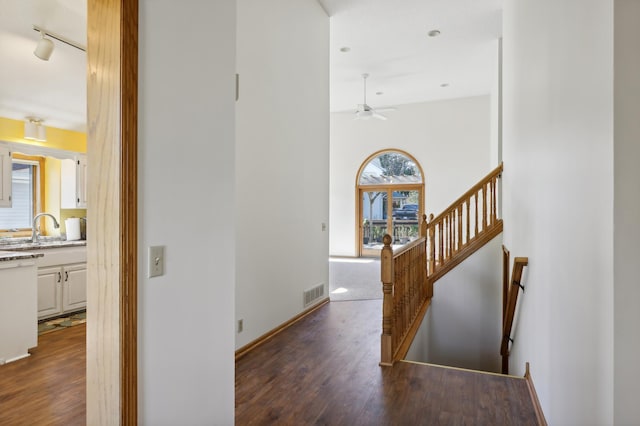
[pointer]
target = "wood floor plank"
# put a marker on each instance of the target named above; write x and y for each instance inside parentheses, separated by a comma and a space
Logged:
(324, 371)
(47, 388)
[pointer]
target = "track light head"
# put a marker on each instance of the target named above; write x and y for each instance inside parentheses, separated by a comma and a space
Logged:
(35, 130)
(44, 48)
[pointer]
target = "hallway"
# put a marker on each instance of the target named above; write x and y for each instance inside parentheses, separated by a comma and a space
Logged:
(324, 370)
(354, 278)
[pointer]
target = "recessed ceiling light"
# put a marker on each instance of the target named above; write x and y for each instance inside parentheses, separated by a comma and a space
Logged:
(444, 85)
(379, 93)
(434, 33)
(345, 49)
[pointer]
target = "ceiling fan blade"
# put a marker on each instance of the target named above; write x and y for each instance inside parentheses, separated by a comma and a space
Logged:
(379, 116)
(364, 115)
(384, 109)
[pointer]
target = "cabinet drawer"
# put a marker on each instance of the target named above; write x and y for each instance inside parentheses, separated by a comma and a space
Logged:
(62, 256)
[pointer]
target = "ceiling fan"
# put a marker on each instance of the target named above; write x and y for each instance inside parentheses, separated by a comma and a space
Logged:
(364, 111)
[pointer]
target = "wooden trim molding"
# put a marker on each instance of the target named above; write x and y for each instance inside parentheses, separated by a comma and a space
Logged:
(534, 397)
(129, 214)
(38, 191)
(112, 55)
(360, 189)
(265, 337)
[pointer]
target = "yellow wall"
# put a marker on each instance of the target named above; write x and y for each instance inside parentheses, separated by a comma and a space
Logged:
(13, 131)
(69, 213)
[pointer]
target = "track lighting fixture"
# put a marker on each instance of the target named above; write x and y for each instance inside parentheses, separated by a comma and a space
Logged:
(35, 130)
(45, 46)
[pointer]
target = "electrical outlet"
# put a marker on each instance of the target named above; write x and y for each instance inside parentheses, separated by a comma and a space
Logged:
(240, 325)
(156, 261)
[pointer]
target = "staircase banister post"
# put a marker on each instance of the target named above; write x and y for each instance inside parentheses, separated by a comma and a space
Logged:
(423, 226)
(431, 254)
(387, 273)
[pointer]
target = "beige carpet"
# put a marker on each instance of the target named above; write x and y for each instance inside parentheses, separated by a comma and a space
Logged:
(354, 279)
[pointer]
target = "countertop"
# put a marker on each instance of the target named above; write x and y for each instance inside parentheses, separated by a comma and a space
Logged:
(23, 248)
(18, 255)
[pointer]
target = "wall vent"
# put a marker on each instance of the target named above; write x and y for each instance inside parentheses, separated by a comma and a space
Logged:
(313, 294)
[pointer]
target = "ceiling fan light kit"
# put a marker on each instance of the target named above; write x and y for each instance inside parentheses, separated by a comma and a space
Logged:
(364, 111)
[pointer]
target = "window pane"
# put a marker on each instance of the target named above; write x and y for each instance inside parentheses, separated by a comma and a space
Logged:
(390, 168)
(21, 212)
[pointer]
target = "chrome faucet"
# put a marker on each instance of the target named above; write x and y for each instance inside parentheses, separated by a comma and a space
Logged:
(34, 228)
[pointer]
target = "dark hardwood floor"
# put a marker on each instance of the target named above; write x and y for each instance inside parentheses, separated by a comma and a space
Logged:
(47, 388)
(321, 371)
(324, 371)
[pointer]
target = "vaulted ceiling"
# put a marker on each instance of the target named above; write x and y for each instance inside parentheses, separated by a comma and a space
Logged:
(388, 40)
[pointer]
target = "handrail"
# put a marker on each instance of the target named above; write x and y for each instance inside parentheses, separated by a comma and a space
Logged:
(405, 298)
(408, 275)
(466, 225)
(474, 189)
(514, 288)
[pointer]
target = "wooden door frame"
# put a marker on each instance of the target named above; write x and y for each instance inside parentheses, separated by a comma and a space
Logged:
(359, 188)
(389, 189)
(112, 264)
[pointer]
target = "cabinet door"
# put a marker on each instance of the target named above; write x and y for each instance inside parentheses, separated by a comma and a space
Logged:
(81, 182)
(49, 292)
(75, 287)
(5, 177)
(73, 183)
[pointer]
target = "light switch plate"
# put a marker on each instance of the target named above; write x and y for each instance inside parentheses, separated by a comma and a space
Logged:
(156, 261)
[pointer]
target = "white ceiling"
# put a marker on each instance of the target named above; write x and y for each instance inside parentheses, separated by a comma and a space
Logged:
(53, 90)
(388, 40)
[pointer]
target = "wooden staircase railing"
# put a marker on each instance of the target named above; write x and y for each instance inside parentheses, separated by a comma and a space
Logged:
(406, 296)
(509, 309)
(466, 225)
(445, 241)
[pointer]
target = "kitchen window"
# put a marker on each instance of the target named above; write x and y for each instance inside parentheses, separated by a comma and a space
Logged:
(25, 189)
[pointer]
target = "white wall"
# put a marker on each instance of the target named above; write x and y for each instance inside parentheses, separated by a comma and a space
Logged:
(558, 197)
(463, 324)
(627, 211)
(496, 108)
(450, 139)
(186, 197)
(282, 160)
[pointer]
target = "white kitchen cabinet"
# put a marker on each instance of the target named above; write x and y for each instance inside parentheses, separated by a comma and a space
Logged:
(49, 291)
(62, 281)
(73, 183)
(61, 289)
(5, 177)
(74, 287)
(18, 324)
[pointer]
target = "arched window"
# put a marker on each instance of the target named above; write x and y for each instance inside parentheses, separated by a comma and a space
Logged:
(390, 190)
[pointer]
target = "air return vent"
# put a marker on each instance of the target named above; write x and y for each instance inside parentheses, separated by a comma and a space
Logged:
(313, 294)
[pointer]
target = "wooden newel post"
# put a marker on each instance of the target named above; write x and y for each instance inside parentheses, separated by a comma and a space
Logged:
(423, 226)
(386, 272)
